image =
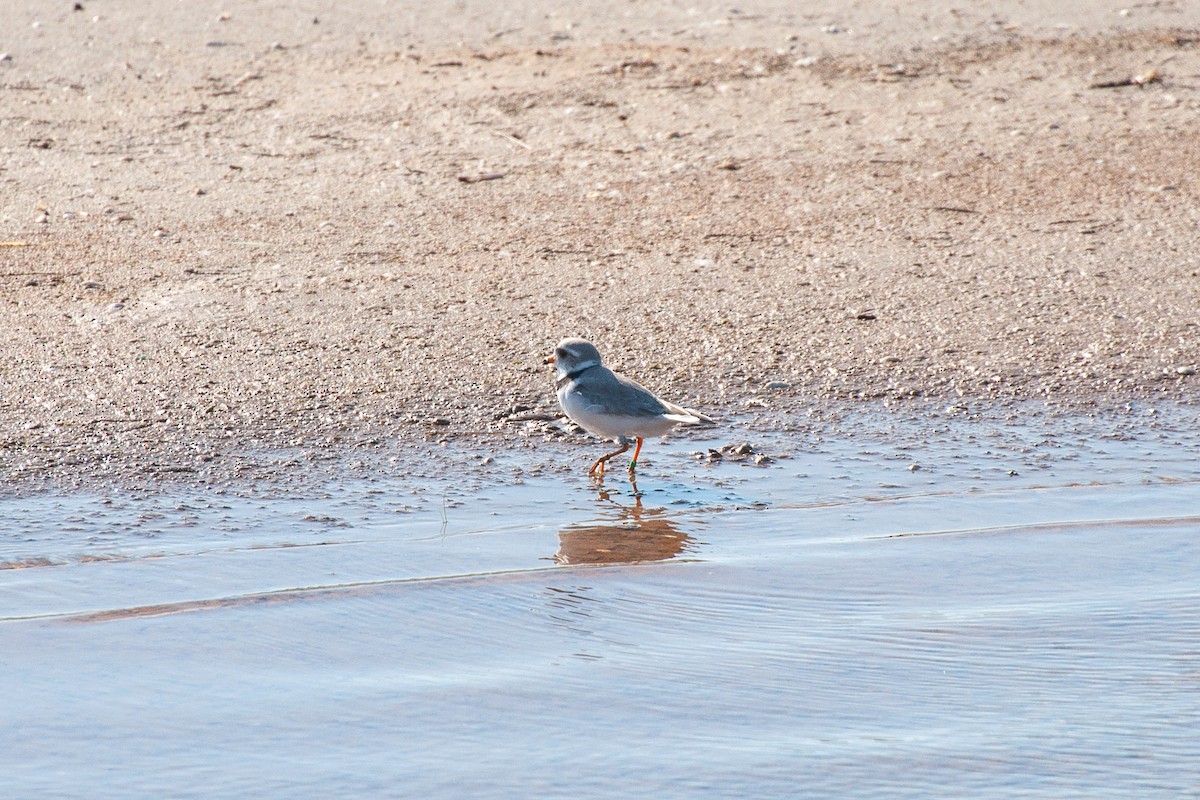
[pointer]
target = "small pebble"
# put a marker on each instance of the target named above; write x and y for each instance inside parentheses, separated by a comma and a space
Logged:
(1185, 371)
(778, 385)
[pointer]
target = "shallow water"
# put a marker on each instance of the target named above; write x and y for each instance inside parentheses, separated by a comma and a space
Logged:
(926, 606)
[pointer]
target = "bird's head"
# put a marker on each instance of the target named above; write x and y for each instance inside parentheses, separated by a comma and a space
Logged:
(573, 354)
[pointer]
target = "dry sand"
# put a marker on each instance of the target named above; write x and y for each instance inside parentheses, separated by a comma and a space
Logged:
(246, 226)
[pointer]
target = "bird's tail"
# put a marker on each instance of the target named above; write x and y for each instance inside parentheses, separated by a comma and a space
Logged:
(688, 416)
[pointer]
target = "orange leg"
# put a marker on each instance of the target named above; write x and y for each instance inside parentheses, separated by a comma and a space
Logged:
(636, 453)
(602, 461)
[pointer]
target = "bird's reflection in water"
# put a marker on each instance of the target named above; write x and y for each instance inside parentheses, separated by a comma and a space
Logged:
(633, 534)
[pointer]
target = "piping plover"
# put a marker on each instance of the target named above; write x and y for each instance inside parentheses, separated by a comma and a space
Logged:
(611, 405)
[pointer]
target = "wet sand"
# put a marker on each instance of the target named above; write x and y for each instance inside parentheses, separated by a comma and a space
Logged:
(336, 232)
(1007, 607)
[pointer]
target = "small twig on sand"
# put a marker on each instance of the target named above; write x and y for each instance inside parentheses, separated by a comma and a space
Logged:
(511, 138)
(1152, 76)
(534, 417)
(487, 176)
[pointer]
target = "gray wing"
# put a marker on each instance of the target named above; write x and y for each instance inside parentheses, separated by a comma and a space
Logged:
(616, 394)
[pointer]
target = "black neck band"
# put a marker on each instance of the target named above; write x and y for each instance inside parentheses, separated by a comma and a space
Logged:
(572, 375)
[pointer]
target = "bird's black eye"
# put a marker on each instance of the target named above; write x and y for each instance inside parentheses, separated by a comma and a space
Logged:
(560, 353)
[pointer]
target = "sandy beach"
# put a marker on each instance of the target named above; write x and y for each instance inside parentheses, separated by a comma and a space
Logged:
(249, 227)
